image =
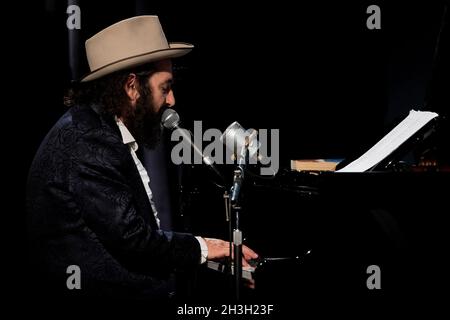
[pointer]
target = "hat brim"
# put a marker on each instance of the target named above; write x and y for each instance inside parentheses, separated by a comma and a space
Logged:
(175, 50)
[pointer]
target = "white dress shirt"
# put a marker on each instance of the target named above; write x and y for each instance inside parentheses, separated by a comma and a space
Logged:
(128, 139)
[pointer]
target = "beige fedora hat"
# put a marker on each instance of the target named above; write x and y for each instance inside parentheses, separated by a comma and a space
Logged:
(129, 43)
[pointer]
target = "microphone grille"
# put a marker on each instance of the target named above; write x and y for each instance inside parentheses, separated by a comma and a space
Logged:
(170, 119)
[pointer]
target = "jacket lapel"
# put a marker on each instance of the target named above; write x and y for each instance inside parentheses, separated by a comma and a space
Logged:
(142, 203)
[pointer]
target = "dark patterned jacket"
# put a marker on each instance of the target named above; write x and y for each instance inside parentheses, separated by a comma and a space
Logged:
(87, 206)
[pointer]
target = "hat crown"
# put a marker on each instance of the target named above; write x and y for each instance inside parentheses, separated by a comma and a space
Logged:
(130, 43)
(122, 40)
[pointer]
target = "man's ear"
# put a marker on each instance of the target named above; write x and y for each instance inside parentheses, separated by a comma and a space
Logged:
(131, 87)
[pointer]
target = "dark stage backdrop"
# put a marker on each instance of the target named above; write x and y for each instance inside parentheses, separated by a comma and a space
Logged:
(312, 70)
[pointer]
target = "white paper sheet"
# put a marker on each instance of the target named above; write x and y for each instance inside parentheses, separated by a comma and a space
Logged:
(390, 142)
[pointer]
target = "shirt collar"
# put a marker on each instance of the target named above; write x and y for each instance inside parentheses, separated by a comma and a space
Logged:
(127, 137)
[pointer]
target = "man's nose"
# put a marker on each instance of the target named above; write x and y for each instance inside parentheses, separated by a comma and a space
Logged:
(170, 99)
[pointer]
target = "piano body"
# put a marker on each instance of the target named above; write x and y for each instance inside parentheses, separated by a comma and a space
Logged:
(331, 227)
(320, 234)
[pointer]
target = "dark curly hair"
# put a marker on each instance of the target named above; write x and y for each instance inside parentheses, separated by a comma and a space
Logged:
(108, 92)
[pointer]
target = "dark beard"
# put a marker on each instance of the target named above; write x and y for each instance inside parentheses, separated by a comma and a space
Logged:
(145, 123)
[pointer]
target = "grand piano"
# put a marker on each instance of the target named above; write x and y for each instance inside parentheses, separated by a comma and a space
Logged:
(320, 232)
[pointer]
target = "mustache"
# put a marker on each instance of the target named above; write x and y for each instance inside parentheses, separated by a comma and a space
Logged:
(163, 108)
(147, 126)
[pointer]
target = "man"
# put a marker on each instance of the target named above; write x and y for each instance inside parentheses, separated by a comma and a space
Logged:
(88, 198)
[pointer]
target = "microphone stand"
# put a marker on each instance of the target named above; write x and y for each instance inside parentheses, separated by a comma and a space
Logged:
(238, 178)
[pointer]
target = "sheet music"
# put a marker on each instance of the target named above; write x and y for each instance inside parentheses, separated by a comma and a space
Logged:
(390, 142)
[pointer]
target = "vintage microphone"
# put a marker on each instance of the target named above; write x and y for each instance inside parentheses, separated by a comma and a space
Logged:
(171, 120)
(241, 143)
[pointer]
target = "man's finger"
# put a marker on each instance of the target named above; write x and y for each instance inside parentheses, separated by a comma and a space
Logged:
(249, 253)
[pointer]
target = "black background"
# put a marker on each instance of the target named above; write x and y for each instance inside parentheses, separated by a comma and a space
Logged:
(312, 70)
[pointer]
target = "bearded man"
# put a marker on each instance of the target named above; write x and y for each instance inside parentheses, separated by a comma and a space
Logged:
(89, 202)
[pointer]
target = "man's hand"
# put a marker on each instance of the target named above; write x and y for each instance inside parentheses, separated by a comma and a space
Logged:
(220, 249)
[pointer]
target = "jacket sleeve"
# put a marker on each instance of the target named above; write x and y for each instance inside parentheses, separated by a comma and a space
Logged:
(100, 183)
